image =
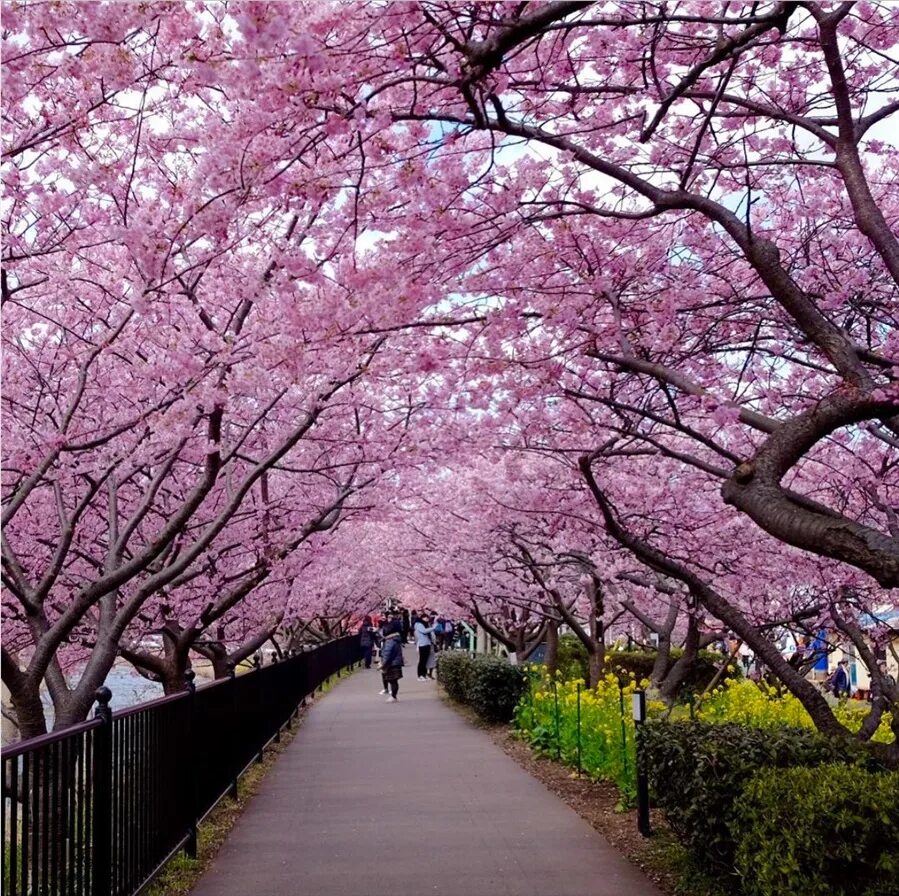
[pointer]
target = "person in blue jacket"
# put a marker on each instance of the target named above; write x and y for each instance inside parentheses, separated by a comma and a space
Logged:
(842, 684)
(423, 643)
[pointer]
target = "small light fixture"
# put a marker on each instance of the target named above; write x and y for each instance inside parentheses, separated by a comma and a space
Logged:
(639, 701)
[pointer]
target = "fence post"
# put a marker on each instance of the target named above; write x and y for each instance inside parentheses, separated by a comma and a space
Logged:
(190, 847)
(579, 769)
(304, 667)
(556, 713)
(642, 781)
(623, 729)
(232, 674)
(101, 846)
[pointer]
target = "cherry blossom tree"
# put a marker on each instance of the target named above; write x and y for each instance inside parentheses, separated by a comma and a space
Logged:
(703, 197)
(568, 312)
(682, 219)
(192, 327)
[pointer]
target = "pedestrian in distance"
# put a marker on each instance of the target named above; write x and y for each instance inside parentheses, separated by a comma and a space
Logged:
(842, 683)
(423, 642)
(384, 629)
(407, 626)
(367, 640)
(384, 626)
(392, 661)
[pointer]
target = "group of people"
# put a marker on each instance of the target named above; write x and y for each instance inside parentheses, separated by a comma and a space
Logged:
(808, 656)
(431, 633)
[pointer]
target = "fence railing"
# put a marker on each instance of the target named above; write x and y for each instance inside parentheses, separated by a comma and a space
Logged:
(97, 809)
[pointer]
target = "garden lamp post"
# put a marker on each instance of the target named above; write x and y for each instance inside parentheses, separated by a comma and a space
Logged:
(639, 707)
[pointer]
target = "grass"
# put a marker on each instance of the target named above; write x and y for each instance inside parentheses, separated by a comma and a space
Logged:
(182, 873)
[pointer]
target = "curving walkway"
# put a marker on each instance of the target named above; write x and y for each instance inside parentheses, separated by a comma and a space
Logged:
(408, 798)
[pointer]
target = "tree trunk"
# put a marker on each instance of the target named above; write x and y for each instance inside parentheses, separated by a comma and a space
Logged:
(596, 664)
(30, 716)
(551, 658)
(663, 660)
(686, 663)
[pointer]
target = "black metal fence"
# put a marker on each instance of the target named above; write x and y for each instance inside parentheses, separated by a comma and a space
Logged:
(99, 808)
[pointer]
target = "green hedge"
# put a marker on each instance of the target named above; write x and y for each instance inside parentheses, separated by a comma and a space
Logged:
(573, 664)
(640, 662)
(698, 770)
(833, 829)
(490, 685)
(572, 658)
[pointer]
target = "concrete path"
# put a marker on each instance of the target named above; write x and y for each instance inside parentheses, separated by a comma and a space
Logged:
(408, 799)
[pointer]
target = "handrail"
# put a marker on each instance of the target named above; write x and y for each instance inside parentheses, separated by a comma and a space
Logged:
(51, 737)
(98, 808)
(148, 705)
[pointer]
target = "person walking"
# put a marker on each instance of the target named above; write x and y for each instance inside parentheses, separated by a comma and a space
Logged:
(842, 683)
(367, 640)
(392, 662)
(423, 643)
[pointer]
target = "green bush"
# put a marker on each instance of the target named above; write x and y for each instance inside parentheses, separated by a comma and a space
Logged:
(626, 662)
(572, 658)
(697, 771)
(832, 829)
(454, 671)
(490, 685)
(641, 662)
(495, 688)
(573, 664)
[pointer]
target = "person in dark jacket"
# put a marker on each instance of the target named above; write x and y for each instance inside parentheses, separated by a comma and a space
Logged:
(392, 661)
(367, 640)
(842, 684)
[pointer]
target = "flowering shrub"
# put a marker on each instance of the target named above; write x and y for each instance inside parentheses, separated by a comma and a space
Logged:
(547, 717)
(760, 706)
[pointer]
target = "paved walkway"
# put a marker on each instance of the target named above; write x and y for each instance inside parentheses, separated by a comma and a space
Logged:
(408, 798)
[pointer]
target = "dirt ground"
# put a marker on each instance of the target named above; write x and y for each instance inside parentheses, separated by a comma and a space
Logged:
(597, 802)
